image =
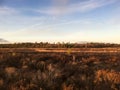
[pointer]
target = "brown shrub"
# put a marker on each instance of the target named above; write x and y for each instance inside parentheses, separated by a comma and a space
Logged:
(10, 70)
(109, 77)
(1, 82)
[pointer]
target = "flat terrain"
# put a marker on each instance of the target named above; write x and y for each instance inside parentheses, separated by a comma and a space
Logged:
(60, 69)
(74, 50)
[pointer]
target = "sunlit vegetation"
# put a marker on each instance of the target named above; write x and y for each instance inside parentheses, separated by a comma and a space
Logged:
(59, 71)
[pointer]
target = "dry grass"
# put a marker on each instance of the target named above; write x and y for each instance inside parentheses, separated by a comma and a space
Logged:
(110, 77)
(1, 82)
(59, 71)
(10, 70)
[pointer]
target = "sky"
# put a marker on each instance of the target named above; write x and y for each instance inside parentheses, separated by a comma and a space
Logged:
(60, 20)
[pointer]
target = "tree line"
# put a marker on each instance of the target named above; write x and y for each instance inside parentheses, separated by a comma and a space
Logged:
(59, 45)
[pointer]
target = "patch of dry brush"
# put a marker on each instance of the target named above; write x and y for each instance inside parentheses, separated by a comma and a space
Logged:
(59, 71)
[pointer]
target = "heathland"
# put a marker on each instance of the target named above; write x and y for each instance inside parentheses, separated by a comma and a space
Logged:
(44, 66)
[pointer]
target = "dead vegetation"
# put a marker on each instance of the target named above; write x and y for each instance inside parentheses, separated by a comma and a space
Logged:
(59, 71)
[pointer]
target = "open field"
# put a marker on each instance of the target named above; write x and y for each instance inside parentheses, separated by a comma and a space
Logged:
(72, 50)
(60, 69)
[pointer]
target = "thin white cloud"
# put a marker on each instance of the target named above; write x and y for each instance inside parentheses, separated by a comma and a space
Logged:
(40, 28)
(41, 31)
(76, 7)
(19, 27)
(4, 10)
(17, 22)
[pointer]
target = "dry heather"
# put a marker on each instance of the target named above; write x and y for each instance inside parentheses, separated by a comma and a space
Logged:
(106, 75)
(10, 70)
(110, 77)
(59, 71)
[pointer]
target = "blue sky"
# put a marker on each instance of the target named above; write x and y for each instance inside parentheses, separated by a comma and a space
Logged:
(60, 20)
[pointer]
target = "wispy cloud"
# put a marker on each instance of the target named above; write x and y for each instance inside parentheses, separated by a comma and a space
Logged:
(64, 8)
(43, 31)
(22, 23)
(4, 10)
